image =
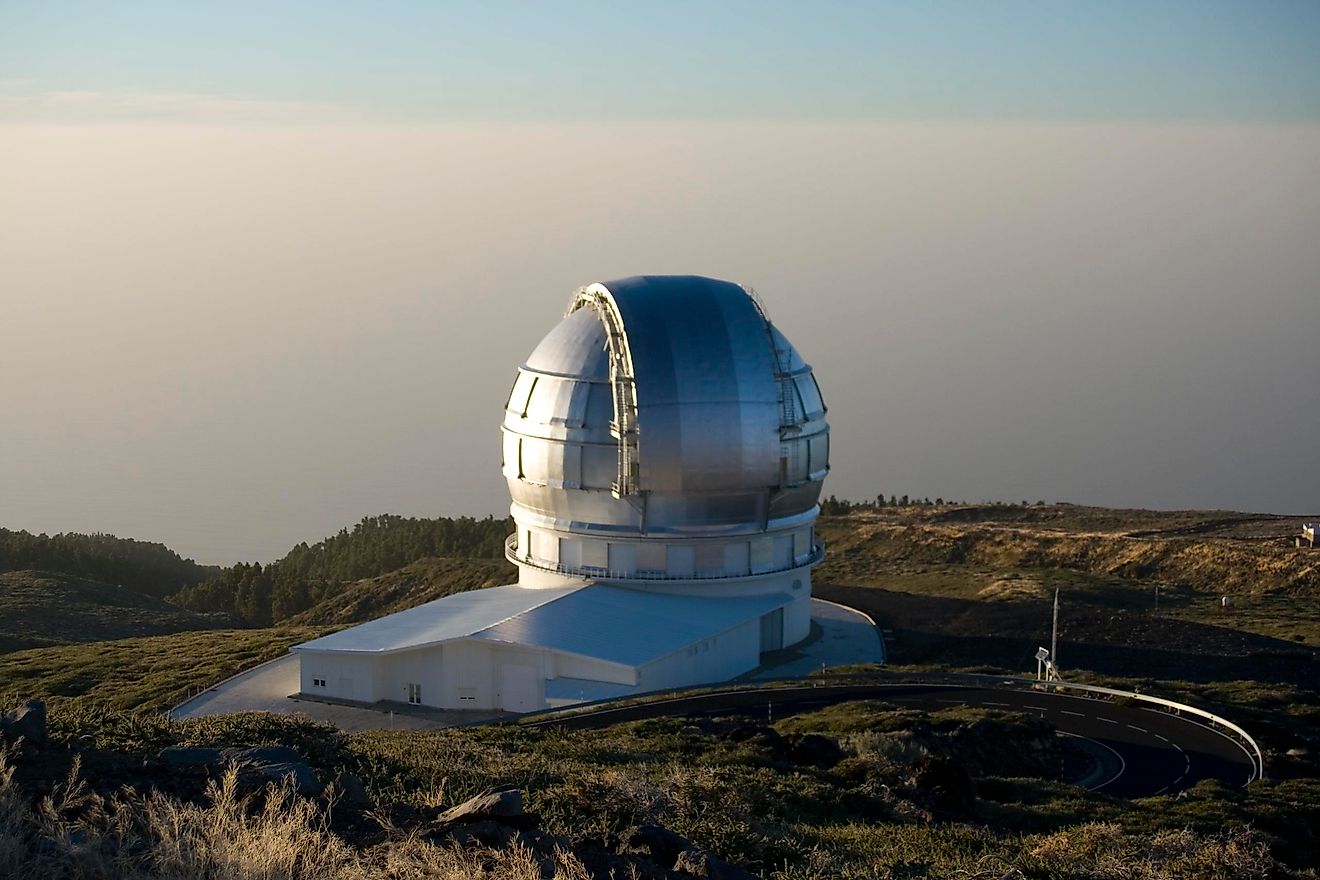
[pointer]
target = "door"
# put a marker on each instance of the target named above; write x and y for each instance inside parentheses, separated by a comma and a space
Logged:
(519, 689)
(772, 631)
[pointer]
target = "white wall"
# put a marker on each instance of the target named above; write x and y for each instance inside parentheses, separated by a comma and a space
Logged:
(347, 676)
(464, 674)
(573, 666)
(718, 658)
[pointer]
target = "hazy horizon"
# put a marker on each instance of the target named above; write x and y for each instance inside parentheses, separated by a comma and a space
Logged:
(268, 270)
(242, 338)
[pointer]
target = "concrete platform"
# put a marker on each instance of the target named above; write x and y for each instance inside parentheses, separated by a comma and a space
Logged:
(846, 637)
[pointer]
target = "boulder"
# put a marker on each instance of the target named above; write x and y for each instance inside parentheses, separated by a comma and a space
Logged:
(700, 863)
(27, 722)
(481, 833)
(947, 785)
(352, 790)
(271, 763)
(503, 805)
(664, 845)
(814, 750)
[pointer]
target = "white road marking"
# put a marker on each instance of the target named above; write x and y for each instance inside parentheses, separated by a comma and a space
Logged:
(1066, 712)
(1122, 765)
(1158, 736)
(988, 703)
(1036, 708)
(1142, 729)
(1106, 720)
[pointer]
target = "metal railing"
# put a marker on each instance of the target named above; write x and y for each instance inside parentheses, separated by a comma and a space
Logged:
(605, 573)
(1250, 746)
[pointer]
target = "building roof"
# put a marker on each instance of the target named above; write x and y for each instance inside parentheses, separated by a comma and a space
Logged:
(442, 620)
(614, 624)
(629, 627)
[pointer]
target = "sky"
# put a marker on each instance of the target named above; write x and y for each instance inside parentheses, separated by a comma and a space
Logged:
(269, 268)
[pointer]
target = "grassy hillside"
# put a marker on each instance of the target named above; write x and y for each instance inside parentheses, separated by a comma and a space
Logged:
(973, 585)
(146, 674)
(407, 587)
(40, 608)
(965, 586)
(910, 794)
(1211, 553)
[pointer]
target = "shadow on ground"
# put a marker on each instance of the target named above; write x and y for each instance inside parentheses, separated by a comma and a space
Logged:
(962, 632)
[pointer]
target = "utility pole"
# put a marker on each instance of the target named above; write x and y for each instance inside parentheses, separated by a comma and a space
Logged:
(1054, 632)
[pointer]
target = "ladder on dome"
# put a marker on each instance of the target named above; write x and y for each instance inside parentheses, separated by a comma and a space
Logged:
(623, 427)
(788, 412)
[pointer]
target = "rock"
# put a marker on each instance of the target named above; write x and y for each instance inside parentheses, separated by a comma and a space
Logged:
(28, 722)
(815, 750)
(948, 786)
(272, 763)
(503, 805)
(700, 863)
(474, 835)
(353, 791)
(508, 802)
(757, 734)
(664, 845)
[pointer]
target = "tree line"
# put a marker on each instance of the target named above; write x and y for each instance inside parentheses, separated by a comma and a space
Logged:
(142, 566)
(833, 506)
(307, 574)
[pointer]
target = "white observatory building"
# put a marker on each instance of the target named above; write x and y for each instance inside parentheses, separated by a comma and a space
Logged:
(665, 447)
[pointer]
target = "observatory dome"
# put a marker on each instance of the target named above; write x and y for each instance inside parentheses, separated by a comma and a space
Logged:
(663, 409)
(664, 446)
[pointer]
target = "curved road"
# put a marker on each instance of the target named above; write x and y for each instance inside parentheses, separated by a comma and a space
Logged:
(1153, 751)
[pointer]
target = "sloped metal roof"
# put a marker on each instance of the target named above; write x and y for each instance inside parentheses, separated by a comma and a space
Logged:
(614, 624)
(442, 620)
(629, 627)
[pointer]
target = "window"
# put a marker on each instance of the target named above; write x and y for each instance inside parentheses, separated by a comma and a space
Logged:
(467, 695)
(415, 694)
(813, 407)
(318, 682)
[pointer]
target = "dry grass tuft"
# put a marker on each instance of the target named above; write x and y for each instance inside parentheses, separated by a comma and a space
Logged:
(273, 835)
(1104, 851)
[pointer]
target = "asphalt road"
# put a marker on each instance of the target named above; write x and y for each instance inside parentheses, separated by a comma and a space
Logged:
(1149, 752)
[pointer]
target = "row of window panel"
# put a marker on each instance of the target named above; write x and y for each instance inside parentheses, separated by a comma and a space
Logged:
(549, 400)
(573, 466)
(803, 457)
(771, 553)
(546, 400)
(551, 463)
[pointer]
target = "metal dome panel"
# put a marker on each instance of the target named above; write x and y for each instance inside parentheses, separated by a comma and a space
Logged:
(704, 370)
(575, 347)
(665, 405)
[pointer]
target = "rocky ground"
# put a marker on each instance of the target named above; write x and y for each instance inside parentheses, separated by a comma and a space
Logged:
(68, 805)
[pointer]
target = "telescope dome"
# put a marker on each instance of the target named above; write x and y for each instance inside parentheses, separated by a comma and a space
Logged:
(665, 404)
